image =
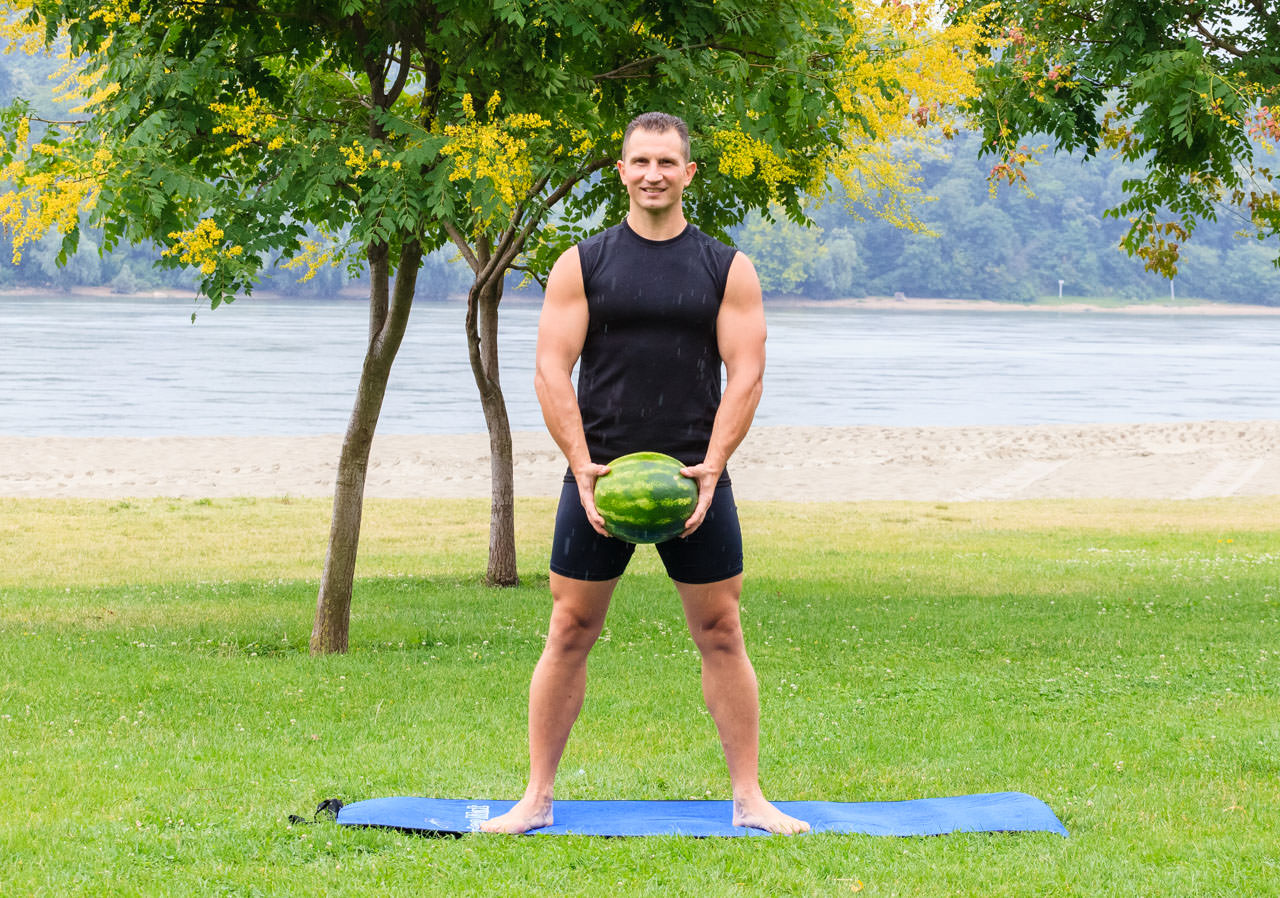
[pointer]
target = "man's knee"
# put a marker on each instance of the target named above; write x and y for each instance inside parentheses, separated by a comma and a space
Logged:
(572, 631)
(711, 611)
(577, 614)
(719, 633)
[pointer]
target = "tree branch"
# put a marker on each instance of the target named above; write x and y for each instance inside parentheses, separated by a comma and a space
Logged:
(50, 121)
(590, 168)
(529, 196)
(461, 243)
(509, 250)
(631, 69)
(401, 76)
(1218, 42)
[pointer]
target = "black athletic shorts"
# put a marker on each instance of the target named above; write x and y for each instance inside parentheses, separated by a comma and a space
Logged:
(710, 554)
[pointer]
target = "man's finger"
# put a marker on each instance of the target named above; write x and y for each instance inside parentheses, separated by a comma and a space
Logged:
(594, 518)
(587, 496)
(694, 520)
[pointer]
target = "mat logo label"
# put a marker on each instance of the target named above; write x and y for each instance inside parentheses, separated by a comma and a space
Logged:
(476, 814)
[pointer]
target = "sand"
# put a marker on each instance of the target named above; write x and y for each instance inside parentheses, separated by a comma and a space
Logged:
(1185, 460)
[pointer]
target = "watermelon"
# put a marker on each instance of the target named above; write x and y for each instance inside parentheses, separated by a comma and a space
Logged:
(644, 498)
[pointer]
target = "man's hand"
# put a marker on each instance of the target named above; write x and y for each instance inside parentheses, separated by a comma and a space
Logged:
(587, 477)
(707, 477)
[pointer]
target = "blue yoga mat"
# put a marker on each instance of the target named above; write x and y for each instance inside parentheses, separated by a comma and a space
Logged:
(993, 812)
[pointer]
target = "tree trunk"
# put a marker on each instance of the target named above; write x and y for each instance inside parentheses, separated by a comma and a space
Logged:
(388, 316)
(482, 342)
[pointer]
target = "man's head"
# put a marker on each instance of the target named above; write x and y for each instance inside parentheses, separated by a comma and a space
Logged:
(655, 166)
(658, 122)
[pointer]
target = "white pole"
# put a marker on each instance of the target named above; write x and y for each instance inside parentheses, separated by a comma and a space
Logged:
(1060, 283)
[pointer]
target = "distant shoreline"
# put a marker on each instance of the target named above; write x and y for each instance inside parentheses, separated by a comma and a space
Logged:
(869, 303)
(928, 304)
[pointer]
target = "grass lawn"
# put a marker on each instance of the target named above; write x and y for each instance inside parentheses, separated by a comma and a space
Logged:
(160, 717)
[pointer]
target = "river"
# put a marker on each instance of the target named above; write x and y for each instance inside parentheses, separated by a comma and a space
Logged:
(113, 366)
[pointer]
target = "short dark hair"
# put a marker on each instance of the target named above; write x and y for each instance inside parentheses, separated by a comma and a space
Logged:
(659, 122)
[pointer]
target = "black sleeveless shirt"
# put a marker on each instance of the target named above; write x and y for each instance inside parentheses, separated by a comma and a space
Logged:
(649, 375)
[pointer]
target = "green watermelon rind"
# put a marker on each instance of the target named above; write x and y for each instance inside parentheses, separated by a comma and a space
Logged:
(644, 498)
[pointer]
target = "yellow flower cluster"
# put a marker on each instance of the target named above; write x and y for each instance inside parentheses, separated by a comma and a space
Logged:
(578, 142)
(50, 193)
(582, 140)
(201, 247)
(359, 161)
(44, 202)
(16, 33)
(23, 133)
(247, 122)
(931, 67)
(114, 12)
(742, 156)
(900, 44)
(314, 255)
(84, 88)
(495, 151)
(355, 158)
(44, 185)
(20, 33)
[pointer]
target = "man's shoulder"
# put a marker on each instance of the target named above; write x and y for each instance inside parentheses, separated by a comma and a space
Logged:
(719, 254)
(593, 249)
(601, 237)
(703, 237)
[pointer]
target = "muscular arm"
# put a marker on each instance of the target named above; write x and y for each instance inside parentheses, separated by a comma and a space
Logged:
(562, 330)
(740, 332)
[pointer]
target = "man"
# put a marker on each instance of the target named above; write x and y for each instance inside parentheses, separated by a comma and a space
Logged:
(651, 307)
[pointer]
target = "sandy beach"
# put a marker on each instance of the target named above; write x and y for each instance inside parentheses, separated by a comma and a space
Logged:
(1185, 460)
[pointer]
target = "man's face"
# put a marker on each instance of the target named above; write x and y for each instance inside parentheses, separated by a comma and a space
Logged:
(654, 170)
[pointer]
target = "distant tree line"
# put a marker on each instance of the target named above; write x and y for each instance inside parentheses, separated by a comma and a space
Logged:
(1013, 246)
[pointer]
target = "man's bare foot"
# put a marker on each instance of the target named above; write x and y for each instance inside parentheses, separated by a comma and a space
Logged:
(528, 813)
(758, 813)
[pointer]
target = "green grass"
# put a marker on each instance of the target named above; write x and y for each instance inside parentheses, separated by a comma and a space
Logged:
(160, 718)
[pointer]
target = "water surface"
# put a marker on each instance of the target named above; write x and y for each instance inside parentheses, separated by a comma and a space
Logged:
(140, 367)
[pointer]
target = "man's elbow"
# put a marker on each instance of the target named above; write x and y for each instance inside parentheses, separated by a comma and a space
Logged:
(749, 383)
(545, 378)
(539, 382)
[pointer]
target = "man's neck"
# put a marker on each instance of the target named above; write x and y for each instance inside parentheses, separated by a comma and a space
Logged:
(664, 226)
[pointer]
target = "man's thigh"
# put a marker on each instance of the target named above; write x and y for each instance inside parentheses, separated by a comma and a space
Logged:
(711, 553)
(577, 551)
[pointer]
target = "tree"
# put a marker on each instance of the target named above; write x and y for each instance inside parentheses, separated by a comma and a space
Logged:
(1191, 90)
(225, 131)
(839, 271)
(782, 252)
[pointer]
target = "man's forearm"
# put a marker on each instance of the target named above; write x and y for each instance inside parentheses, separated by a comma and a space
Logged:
(733, 418)
(562, 416)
